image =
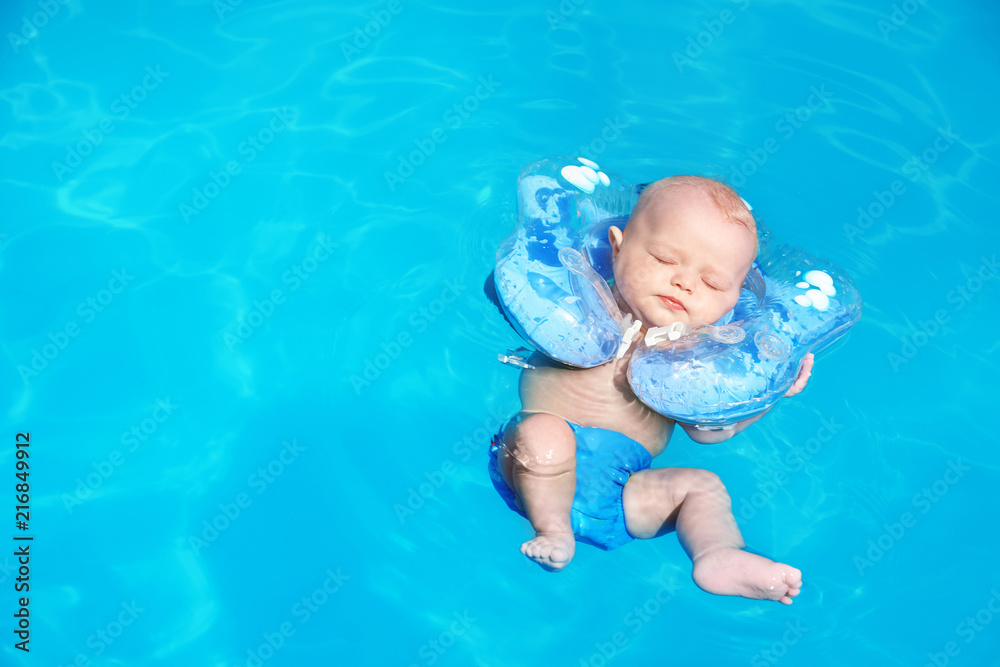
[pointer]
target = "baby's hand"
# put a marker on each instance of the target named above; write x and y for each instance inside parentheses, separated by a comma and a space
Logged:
(803, 378)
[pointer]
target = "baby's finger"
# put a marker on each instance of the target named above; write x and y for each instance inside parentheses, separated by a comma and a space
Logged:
(804, 373)
(807, 363)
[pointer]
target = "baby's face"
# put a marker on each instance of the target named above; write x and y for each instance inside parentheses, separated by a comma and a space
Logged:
(680, 260)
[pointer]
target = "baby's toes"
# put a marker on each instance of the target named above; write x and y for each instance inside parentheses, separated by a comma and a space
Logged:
(792, 577)
(549, 551)
(531, 548)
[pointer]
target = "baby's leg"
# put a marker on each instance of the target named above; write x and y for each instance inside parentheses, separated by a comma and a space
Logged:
(695, 504)
(538, 461)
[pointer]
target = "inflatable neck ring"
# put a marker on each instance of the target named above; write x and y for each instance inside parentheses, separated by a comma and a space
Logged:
(552, 278)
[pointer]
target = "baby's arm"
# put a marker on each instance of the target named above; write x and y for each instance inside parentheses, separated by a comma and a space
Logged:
(715, 437)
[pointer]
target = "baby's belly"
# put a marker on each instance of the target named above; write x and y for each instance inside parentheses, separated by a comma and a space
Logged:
(598, 397)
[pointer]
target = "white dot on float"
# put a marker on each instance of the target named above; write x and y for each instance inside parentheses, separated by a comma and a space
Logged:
(828, 290)
(819, 300)
(803, 300)
(590, 175)
(604, 178)
(575, 177)
(802, 285)
(589, 163)
(818, 278)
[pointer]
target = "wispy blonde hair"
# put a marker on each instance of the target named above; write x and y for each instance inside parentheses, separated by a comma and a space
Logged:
(730, 204)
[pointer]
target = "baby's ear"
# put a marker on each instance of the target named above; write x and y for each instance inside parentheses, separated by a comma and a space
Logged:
(615, 238)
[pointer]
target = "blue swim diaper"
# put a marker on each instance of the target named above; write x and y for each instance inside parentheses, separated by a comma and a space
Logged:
(604, 461)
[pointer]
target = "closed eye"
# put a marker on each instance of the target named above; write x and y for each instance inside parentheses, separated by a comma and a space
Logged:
(661, 260)
(717, 289)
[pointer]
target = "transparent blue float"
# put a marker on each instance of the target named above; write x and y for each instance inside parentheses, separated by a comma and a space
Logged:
(552, 278)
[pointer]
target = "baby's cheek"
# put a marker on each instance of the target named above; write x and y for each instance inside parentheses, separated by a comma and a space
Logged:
(725, 304)
(627, 269)
(651, 271)
(641, 278)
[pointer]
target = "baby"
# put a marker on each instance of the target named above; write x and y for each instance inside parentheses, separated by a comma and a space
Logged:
(575, 461)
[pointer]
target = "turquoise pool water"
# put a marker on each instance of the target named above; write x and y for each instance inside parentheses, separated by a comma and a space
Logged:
(242, 260)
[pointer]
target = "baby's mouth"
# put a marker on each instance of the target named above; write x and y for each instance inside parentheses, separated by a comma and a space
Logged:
(672, 303)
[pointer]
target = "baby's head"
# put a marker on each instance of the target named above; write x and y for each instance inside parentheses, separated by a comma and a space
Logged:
(685, 252)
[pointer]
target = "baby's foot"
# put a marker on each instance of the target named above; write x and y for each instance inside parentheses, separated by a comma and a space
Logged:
(737, 572)
(553, 551)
